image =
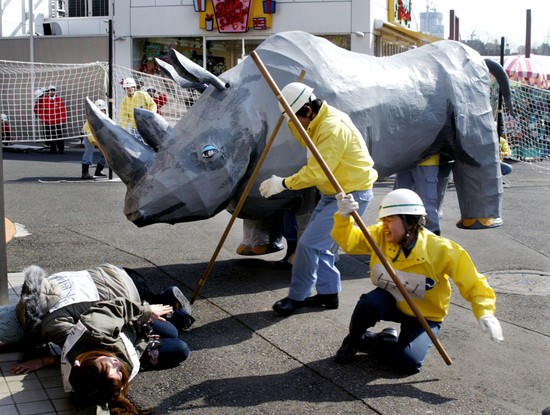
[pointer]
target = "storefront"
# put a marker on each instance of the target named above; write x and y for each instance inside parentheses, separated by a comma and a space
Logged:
(221, 53)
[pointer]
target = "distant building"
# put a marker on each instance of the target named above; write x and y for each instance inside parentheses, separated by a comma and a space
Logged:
(431, 22)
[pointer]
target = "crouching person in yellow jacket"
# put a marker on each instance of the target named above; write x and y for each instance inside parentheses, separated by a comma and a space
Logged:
(424, 262)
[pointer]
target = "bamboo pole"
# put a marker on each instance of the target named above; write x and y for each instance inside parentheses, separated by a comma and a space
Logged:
(355, 215)
(246, 191)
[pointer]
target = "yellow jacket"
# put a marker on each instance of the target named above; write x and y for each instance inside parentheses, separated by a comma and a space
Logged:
(344, 151)
(88, 132)
(432, 160)
(139, 100)
(504, 148)
(425, 273)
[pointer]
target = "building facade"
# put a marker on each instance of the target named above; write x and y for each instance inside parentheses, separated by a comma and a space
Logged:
(214, 33)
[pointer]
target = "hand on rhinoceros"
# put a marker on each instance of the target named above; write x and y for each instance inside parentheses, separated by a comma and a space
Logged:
(272, 186)
(346, 204)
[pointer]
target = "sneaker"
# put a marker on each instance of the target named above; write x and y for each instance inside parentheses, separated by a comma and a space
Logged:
(174, 297)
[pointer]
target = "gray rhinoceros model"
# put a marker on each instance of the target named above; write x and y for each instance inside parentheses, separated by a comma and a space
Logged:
(434, 98)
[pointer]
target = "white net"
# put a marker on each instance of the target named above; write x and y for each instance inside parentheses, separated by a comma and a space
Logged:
(30, 111)
(528, 133)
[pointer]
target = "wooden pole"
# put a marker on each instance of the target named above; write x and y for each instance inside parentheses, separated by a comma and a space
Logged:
(355, 215)
(246, 191)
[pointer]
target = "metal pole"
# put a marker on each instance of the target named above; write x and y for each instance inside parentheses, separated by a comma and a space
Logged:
(4, 295)
(332, 179)
(500, 120)
(110, 81)
(528, 34)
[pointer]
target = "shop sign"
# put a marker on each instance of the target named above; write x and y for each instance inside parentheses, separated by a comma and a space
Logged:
(236, 16)
(399, 11)
(232, 15)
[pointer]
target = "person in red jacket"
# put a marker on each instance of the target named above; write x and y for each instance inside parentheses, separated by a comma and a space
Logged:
(51, 111)
(6, 129)
(159, 98)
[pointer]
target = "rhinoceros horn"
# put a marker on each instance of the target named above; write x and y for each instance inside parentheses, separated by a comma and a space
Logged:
(127, 156)
(154, 129)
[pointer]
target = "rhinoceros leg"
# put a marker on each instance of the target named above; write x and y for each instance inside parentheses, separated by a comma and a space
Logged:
(264, 236)
(261, 236)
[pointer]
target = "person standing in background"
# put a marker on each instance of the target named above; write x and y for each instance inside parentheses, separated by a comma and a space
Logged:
(51, 111)
(89, 145)
(134, 99)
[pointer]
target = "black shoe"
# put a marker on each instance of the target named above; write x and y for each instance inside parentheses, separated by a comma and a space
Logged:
(388, 335)
(287, 306)
(329, 301)
(174, 297)
(346, 353)
(181, 319)
(282, 264)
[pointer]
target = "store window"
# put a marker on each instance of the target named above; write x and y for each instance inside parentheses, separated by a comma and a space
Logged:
(221, 54)
(82, 8)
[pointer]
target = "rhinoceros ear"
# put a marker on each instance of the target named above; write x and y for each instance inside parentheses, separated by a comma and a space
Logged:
(197, 72)
(127, 156)
(154, 129)
(182, 82)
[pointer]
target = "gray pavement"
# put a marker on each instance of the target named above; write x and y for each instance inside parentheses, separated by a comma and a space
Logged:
(247, 360)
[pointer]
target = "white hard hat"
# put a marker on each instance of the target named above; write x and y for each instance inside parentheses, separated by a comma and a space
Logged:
(4, 117)
(51, 87)
(38, 92)
(296, 94)
(101, 104)
(148, 87)
(401, 202)
(129, 83)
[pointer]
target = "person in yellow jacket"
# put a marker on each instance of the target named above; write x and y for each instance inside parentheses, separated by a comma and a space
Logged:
(89, 145)
(505, 152)
(133, 99)
(422, 178)
(346, 154)
(425, 264)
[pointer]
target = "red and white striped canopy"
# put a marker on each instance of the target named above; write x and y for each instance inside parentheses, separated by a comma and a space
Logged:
(518, 67)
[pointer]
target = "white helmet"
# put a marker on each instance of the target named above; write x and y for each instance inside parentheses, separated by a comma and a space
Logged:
(147, 88)
(4, 117)
(296, 94)
(101, 104)
(38, 93)
(129, 83)
(51, 87)
(401, 202)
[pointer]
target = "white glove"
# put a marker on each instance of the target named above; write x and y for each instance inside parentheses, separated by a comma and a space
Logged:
(491, 324)
(346, 204)
(272, 186)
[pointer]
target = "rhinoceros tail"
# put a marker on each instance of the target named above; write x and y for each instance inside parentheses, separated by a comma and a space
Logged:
(500, 75)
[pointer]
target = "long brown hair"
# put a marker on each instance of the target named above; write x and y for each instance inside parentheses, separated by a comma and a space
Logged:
(93, 386)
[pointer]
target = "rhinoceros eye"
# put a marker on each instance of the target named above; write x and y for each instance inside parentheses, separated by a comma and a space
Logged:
(209, 150)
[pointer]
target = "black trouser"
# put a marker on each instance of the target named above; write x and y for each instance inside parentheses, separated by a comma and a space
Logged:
(54, 132)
